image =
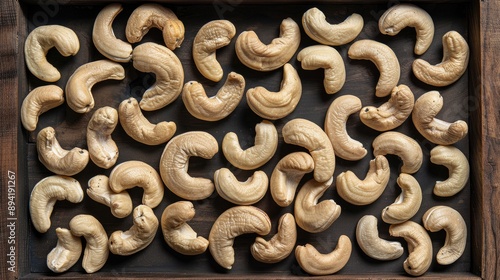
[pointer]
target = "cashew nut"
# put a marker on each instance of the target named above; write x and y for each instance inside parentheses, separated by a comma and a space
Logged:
(392, 113)
(78, 88)
(258, 56)
(218, 106)
(102, 149)
(419, 245)
(316, 263)
(451, 68)
(178, 234)
(309, 135)
(232, 223)
(40, 41)
(407, 203)
(241, 193)
(96, 251)
(45, 194)
(321, 31)
(265, 145)
(405, 147)
(139, 128)
(66, 253)
(449, 219)
(319, 56)
(100, 191)
(168, 70)
(57, 159)
(458, 167)
(211, 36)
(280, 245)
(174, 164)
(39, 101)
(374, 246)
(363, 192)
(433, 129)
(132, 173)
(335, 127)
(400, 16)
(139, 236)
(384, 59)
(104, 37)
(276, 105)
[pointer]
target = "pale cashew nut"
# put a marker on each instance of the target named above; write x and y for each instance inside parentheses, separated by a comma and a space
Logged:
(366, 191)
(265, 145)
(316, 263)
(57, 159)
(100, 191)
(241, 193)
(276, 105)
(174, 164)
(458, 169)
(451, 68)
(384, 59)
(407, 203)
(433, 129)
(372, 245)
(258, 56)
(232, 223)
(39, 101)
(178, 234)
(78, 88)
(66, 253)
(40, 41)
(336, 127)
(139, 236)
(102, 149)
(211, 36)
(216, 107)
(45, 194)
(449, 219)
(405, 147)
(280, 245)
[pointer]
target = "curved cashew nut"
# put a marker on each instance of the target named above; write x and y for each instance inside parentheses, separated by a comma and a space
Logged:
(139, 128)
(280, 245)
(40, 41)
(405, 147)
(174, 164)
(241, 193)
(138, 237)
(407, 203)
(218, 106)
(132, 173)
(320, 56)
(211, 36)
(78, 88)
(374, 246)
(276, 105)
(318, 29)
(451, 68)
(384, 58)
(287, 175)
(57, 159)
(258, 56)
(39, 101)
(458, 167)
(309, 135)
(231, 223)
(363, 192)
(433, 129)
(178, 234)
(168, 70)
(400, 16)
(96, 251)
(265, 145)
(104, 37)
(66, 253)
(310, 215)
(419, 245)
(102, 149)
(335, 127)
(45, 194)
(392, 113)
(100, 191)
(449, 219)
(316, 263)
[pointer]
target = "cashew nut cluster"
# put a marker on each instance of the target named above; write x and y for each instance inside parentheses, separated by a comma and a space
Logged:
(102, 149)
(119, 203)
(405, 147)
(39, 101)
(407, 203)
(458, 169)
(316, 263)
(66, 253)
(372, 245)
(241, 193)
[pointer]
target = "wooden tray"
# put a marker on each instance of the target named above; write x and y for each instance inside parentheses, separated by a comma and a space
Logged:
(471, 98)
